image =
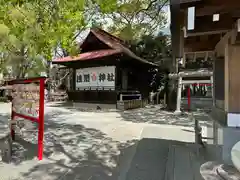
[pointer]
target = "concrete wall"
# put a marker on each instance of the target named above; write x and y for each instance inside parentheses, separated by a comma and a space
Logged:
(227, 87)
(225, 138)
(230, 137)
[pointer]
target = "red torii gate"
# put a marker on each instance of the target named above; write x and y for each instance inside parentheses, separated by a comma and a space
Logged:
(189, 92)
(193, 74)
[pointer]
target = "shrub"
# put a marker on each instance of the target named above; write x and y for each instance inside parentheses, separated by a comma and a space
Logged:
(3, 99)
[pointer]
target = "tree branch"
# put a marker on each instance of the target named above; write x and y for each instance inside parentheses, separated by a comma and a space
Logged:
(148, 7)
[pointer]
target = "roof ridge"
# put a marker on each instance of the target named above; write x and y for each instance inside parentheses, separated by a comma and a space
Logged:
(108, 34)
(115, 43)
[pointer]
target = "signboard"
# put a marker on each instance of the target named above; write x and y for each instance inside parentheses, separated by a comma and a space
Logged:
(96, 78)
(28, 105)
(26, 99)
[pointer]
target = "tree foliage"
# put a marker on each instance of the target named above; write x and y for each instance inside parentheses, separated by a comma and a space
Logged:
(157, 50)
(152, 48)
(135, 18)
(32, 29)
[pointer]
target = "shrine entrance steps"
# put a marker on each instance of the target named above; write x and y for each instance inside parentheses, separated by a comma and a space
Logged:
(159, 159)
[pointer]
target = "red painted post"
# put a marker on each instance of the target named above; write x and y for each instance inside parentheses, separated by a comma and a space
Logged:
(189, 100)
(41, 120)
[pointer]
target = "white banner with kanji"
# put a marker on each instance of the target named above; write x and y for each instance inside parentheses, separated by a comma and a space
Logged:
(101, 78)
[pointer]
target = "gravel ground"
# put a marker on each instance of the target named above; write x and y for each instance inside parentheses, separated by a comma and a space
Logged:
(94, 145)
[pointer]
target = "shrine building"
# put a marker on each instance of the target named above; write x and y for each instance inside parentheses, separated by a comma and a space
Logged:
(106, 71)
(212, 28)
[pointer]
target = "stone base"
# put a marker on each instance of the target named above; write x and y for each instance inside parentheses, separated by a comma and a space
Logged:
(177, 113)
(217, 171)
(228, 172)
(223, 136)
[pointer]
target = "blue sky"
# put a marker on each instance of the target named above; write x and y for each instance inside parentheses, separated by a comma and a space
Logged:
(166, 29)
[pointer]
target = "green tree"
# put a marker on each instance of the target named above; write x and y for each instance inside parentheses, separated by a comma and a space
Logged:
(152, 48)
(155, 49)
(135, 18)
(31, 29)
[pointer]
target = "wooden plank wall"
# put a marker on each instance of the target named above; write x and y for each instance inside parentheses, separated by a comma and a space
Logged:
(234, 79)
(219, 82)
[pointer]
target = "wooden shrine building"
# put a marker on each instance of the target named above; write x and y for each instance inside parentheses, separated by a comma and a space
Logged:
(105, 69)
(213, 27)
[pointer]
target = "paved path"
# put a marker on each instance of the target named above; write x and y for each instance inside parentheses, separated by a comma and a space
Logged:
(103, 146)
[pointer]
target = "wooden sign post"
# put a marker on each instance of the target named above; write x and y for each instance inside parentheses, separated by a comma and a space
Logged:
(28, 104)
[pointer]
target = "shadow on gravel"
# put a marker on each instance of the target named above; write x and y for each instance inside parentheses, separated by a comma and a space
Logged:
(71, 151)
(155, 115)
(84, 107)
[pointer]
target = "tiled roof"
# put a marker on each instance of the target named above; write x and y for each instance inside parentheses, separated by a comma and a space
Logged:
(87, 56)
(115, 45)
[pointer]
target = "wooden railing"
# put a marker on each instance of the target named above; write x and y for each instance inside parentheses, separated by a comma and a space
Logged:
(131, 104)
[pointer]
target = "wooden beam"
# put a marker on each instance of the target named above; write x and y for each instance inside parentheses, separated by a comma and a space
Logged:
(207, 33)
(193, 44)
(226, 76)
(184, 4)
(217, 7)
(175, 30)
(209, 10)
(200, 73)
(196, 82)
(196, 49)
(205, 25)
(189, 1)
(235, 14)
(184, 60)
(200, 52)
(220, 46)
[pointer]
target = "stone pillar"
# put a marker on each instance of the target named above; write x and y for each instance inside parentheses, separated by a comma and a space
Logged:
(179, 97)
(209, 91)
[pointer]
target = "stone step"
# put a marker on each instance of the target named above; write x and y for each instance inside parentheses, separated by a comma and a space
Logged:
(198, 159)
(179, 165)
(183, 165)
(169, 171)
(149, 162)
